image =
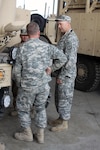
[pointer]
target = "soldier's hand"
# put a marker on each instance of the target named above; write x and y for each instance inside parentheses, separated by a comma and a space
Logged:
(59, 81)
(48, 70)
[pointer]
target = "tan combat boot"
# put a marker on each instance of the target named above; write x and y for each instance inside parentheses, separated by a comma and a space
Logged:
(55, 122)
(39, 136)
(26, 135)
(60, 127)
(2, 146)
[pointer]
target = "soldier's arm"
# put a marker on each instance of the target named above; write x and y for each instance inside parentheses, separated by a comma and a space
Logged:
(59, 56)
(17, 67)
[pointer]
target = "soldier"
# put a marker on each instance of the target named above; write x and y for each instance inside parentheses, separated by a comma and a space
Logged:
(31, 71)
(24, 37)
(66, 75)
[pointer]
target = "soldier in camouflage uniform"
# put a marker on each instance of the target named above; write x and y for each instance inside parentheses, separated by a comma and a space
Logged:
(66, 76)
(31, 71)
(24, 37)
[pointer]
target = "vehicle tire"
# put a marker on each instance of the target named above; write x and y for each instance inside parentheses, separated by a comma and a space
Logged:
(2, 92)
(88, 75)
(2, 110)
(39, 20)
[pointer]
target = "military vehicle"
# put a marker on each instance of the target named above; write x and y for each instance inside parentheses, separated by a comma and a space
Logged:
(12, 20)
(85, 16)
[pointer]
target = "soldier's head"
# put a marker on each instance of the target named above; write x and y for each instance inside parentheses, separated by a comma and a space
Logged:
(33, 30)
(23, 35)
(64, 23)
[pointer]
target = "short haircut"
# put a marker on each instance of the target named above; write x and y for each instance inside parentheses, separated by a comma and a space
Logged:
(32, 28)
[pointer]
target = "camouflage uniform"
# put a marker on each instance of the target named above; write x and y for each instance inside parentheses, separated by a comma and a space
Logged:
(14, 86)
(64, 91)
(32, 60)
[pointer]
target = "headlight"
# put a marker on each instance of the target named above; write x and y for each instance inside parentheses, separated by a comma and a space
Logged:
(2, 72)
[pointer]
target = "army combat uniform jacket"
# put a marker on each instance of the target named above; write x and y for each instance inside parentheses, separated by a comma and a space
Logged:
(32, 60)
(69, 44)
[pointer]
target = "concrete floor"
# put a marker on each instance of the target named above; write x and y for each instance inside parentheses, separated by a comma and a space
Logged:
(83, 132)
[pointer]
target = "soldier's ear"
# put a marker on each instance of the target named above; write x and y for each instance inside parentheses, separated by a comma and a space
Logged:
(38, 33)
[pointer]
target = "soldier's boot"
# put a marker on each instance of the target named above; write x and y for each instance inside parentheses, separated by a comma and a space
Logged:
(39, 136)
(2, 146)
(60, 127)
(55, 122)
(25, 135)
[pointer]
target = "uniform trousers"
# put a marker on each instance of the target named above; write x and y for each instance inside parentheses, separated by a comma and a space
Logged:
(27, 97)
(63, 97)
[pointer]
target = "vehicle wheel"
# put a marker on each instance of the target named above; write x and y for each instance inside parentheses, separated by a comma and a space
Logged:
(39, 20)
(2, 92)
(88, 75)
(2, 110)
